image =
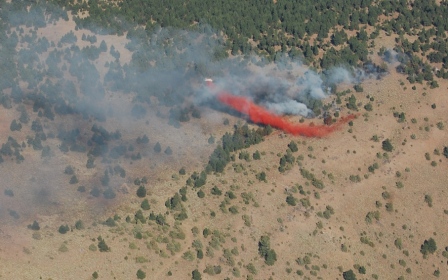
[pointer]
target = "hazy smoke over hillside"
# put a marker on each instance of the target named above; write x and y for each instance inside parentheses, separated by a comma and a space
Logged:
(85, 98)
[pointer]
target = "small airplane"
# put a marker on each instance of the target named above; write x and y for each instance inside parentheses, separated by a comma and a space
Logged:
(208, 81)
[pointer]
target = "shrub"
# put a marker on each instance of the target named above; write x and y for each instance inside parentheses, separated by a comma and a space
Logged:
(216, 191)
(157, 148)
(63, 229)
(358, 88)
(349, 275)
(196, 275)
(102, 246)
(201, 194)
(387, 146)
(168, 151)
(34, 226)
(79, 225)
(428, 246)
(73, 180)
(15, 126)
(141, 274)
(109, 193)
(428, 200)
(398, 243)
(261, 176)
(389, 207)
(9, 192)
(293, 146)
(141, 191)
(291, 200)
(199, 254)
(145, 204)
(265, 251)
(110, 222)
(69, 170)
(233, 210)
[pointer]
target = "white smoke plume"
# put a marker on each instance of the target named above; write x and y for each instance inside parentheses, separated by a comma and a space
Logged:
(286, 87)
(290, 107)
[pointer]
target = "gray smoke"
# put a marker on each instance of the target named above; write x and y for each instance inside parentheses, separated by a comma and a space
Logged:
(91, 96)
(390, 56)
(285, 88)
(291, 107)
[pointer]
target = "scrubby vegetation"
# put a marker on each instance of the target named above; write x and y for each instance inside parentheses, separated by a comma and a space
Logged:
(139, 152)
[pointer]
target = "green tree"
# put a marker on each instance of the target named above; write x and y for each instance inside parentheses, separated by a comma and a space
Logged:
(291, 200)
(79, 225)
(141, 191)
(201, 194)
(271, 257)
(157, 148)
(103, 46)
(69, 170)
(264, 249)
(261, 176)
(445, 151)
(349, 275)
(105, 179)
(9, 192)
(199, 254)
(141, 274)
(362, 270)
(358, 88)
(102, 246)
(428, 246)
(110, 222)
(352, 103)
(63, 229)
(387, 146)
(216, 191)
(140, 217)
(293, 146)
(168, 151)
(182, 171)
(90, 162)
(196, 275)
(145, 204)
(338, 37)
(109, 193)
(73, 180)
(34, 226)
(15, 126)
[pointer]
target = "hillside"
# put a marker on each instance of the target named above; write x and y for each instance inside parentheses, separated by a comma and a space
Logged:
(119, 162)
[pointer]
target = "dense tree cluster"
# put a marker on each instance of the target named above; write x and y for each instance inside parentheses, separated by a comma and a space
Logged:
(284, 26)
(264, 249)
(242, 138)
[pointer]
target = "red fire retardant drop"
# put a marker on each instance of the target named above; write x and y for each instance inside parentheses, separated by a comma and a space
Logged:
(260, 115)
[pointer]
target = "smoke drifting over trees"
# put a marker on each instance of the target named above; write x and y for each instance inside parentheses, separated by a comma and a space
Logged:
(93, 97)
